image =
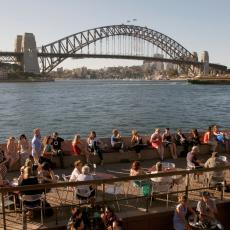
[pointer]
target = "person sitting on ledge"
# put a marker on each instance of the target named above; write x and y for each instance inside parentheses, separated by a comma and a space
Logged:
(79, 148)
(11, 151)
(137, 143)
(116, 141)
(47, 152)
(94, 145)
(220, 138)
(156, 143)
(24, 149)
(209, 138)
(181, 140)
(76, 144)
(194, 138)
(168, 142)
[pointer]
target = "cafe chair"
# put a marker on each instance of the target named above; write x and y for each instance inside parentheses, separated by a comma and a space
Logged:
(161, 185)
(69, 189)
(115, 190)
(32, 202)
(192, 176)
(84, 194)
(135, 188)
(168, 165)
(9, 200)
(216, 178)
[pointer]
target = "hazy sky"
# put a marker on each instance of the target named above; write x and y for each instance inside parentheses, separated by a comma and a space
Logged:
(196, 24)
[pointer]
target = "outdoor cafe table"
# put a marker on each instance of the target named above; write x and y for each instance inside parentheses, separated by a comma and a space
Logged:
(102, 176)
(64, 197)
(177, 179)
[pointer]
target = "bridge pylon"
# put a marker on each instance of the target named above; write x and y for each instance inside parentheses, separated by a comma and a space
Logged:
(27, 45)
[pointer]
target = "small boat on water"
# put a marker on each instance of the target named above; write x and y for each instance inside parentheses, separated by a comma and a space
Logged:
(210, 81)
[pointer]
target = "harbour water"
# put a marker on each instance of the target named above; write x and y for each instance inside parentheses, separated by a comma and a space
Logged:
(71, 107)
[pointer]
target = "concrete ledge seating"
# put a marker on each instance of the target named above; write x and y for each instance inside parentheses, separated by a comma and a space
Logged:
(112, 156)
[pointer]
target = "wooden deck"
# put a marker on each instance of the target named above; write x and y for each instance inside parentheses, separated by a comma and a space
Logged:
(62, 198)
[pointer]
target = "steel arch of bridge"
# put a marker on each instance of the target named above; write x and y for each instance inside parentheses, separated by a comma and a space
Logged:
(75, 42)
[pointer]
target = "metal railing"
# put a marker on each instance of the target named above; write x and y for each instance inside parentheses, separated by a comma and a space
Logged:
(103, 182)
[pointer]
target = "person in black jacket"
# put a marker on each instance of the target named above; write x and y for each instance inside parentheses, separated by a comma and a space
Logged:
(57, 147)
(181, 140)
(195, 138)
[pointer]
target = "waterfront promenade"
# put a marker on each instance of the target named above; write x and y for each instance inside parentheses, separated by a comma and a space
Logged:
(132, 212)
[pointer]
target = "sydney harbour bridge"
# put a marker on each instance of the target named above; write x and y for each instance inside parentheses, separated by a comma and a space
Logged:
(114, 41)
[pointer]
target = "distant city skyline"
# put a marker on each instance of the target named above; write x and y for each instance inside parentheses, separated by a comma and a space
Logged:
(197, 25)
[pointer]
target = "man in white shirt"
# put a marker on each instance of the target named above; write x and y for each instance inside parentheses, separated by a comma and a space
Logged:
(85, 191)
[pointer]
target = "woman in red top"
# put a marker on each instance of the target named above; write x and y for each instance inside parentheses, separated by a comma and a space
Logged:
(156, 142)
(76, 144)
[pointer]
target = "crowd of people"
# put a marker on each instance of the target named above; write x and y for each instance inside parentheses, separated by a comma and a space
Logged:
(51, 145)
(36, 163)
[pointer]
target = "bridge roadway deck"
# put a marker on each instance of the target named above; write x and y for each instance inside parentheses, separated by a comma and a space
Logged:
(19, 55)
(133, 218)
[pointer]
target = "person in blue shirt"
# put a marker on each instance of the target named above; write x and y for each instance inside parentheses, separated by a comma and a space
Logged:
(36, 145)
(116, 141)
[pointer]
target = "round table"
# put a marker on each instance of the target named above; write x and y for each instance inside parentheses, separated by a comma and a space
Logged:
(102, 176)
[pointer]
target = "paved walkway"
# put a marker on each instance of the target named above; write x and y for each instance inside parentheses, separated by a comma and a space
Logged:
(118, 169)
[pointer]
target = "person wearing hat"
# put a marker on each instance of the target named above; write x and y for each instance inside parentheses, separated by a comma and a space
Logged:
(207, 208)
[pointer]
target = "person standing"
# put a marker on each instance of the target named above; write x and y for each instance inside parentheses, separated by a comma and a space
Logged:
(57, 144)
(179, 219)
(36, 145)
(207, 208)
